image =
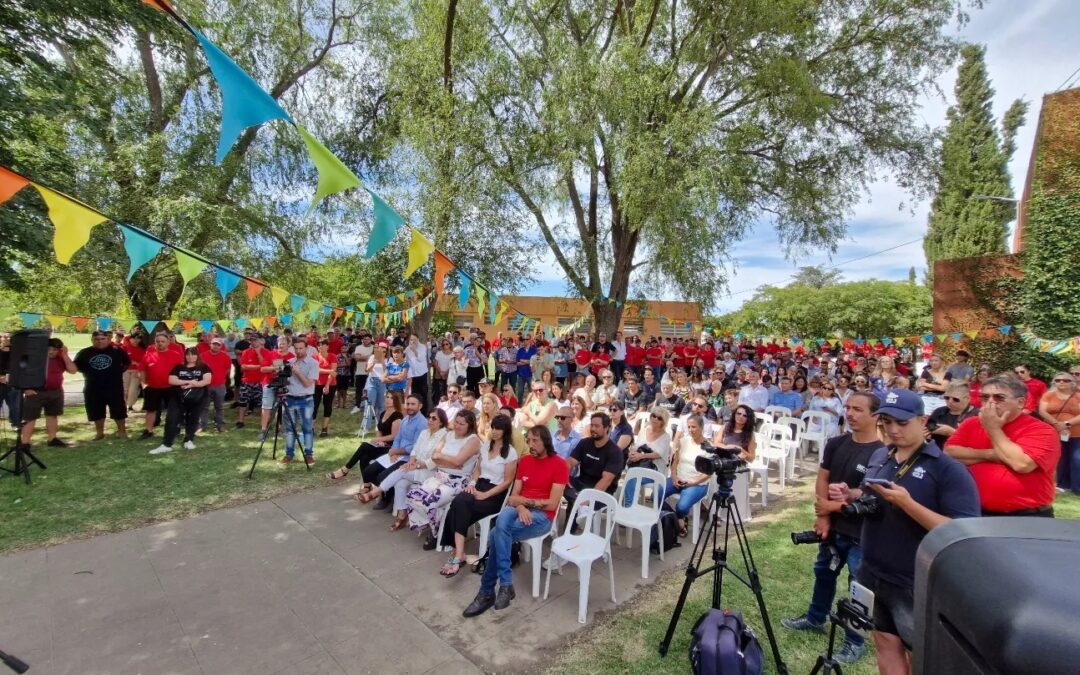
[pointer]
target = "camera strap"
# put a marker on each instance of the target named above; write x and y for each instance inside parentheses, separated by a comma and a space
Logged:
(909, 464)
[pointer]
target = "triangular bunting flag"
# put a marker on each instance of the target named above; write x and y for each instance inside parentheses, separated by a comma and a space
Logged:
(442, 268)
(243, 102)
(334, 176)
(941, 337)
(391, 300)
(189, 266)
(1004, 329)
(80, 322)
(491, 312)
(150, 324)
(71, 221)
(971, 334)
(104, 322)
(141, 248)
(279, 295)
(464, 281)
(956, 336)
(188, 325)
(240, 323)
(226, 281)
(286, 319)
(256, 322)
(29, 319)
(10, 184)
(386, 225)
(481, 298)
(55, 320)
(206, 325)
(253, 289)
(296, 302)
(420, 247)
(372, 304)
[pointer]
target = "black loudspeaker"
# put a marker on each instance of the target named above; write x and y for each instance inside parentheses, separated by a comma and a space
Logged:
(29, 359)
(998, 595)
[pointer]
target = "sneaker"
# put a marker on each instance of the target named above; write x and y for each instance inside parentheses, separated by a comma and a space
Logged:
(309, 459)
(503, 598)
(850, 652)
(552, 564)
(482, 603)
(239, 425)
(802, 623)
(430, 543)
(57, 443)
(222, 430)
(262, 436)
(188, 445)
(355, 410)
(287, 459)
(324, 433)
(145, 435)
(160, 450)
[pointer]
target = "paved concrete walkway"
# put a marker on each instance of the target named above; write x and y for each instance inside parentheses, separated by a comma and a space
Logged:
(307, 583)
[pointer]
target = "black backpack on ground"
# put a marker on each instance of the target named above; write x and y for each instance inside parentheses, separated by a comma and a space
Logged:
(721, 644)
(669, 523)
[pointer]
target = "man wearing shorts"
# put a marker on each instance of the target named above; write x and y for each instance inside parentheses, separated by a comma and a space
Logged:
(252, 360)
(50, 399)
(103, 364)
(158, 362)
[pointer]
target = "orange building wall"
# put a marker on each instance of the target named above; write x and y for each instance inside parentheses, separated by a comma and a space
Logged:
(550, 310)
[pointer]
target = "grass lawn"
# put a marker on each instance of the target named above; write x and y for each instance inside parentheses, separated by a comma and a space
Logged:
(109, 485)
(626, 641)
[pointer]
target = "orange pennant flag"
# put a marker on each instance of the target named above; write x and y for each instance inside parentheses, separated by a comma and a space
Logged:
(188, 325)
(80, 322)
(160, 5)
(253, 289)
(271, 321)
(10, 183)
(338, 311)
(442, 268)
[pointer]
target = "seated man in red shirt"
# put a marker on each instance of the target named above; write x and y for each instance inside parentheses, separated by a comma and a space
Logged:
(534, 501)
(1012, 456)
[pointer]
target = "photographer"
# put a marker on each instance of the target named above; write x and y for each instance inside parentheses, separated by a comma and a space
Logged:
(844, 460)
(300, 401)
(911, 487)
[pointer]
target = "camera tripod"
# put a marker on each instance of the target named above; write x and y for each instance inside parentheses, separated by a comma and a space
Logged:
(848, 613)
(722, 499)
(14, 663)
(23, 457)
(275, 421)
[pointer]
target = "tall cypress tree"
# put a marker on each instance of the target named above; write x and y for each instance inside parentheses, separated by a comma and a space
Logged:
(974, 164)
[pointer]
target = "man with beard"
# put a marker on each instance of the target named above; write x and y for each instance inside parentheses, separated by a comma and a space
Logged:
(103, 364)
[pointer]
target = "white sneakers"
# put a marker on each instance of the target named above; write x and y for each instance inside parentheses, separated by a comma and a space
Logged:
(160, 450)
(188, 445)
(354, 410)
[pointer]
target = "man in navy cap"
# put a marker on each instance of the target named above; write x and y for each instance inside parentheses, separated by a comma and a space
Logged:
(911, 487)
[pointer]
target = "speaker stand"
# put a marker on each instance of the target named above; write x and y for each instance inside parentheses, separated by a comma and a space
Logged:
(23, 457)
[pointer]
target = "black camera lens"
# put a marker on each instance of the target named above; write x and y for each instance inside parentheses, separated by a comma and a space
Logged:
(806, 537)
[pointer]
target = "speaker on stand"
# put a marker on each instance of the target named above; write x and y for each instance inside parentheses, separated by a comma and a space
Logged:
(29, 358)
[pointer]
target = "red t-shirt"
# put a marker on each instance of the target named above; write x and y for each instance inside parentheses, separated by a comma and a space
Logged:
(690, 354)
(54, 373)
(679, 351)
(135, 354)
(335, 345)
(158, 365)
(219, 364)
(324, 363)
(275, 355)
(509, 401)
(761, 350)
(582, 357)
(772, 348)
(1000, 488)
(538, 475)
(250, 357)
(600, 362)
(707, 353)
(635, 355)
(203, 347)
(178, 348)
(654, 356)
(1036, 388)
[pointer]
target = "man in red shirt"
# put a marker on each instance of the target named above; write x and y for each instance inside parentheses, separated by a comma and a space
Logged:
(203, 345)
(654, 357)
(333, 342)
(1011, 455)
(158, 362)
(707, 353)
(690, 354)
(773, 348)
(1035, 387)
(219, 363)
(635, 355)
(50, 399)
(252, 360)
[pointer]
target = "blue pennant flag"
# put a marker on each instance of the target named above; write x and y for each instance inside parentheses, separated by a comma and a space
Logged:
(206, 324)
(241, 323)
(296, 302)
(372, 304)
(29, 318)
(463, 293)
(494, 300)
(226, 281)
(141, 248)
(1004, 329)
(956, 336)
(286, 319)
(391, 300)
(104, 323)
(150, 324)
(326, 309)
(387, 223)
(243, 102)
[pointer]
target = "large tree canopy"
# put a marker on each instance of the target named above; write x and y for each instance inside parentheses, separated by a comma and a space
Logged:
(643, 138)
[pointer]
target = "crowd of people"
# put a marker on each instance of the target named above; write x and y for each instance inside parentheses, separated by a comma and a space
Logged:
(464, 427)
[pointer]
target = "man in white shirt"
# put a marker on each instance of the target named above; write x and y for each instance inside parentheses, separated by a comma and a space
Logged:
(416, 355)
(452, 404)
(754, 394)
(697, 406)
(618, 357)
(361, 355)
(729, 364)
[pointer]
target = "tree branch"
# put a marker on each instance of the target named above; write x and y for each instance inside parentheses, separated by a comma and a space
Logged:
(153, 81)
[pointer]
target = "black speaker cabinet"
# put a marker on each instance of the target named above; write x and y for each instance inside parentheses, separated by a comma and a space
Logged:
(998, 595)
(29, 358)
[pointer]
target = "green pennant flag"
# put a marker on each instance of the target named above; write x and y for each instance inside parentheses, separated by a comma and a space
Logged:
(334, 176)
(481, 297)
(189, 266)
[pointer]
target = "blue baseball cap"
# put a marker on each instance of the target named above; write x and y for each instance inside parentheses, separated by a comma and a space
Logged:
(901, 404)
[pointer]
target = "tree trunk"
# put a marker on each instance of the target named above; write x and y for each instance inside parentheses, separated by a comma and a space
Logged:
(606, 317)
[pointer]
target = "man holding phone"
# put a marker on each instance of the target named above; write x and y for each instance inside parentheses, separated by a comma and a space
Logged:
(843, 465)
(912, 487)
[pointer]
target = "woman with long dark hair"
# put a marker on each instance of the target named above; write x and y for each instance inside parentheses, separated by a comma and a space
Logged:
(187, 397)
(453, 459)
(738, 433)
(491, 478)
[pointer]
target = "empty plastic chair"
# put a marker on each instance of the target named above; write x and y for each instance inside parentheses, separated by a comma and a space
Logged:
(639, 515)
(585, 548)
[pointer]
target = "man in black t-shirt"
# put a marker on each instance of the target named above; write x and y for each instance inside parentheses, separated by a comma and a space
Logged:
(103, 364)
(944, 421)
(844, 460)
(599, 460)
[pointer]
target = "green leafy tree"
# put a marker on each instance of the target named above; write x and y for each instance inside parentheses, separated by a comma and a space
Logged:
(644, 139)
(816, 276)
(972, 208)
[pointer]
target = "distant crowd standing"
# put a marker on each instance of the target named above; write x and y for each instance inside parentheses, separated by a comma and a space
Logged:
(464, 426)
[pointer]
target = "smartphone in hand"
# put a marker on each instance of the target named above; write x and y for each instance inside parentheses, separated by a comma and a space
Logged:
(879, 481)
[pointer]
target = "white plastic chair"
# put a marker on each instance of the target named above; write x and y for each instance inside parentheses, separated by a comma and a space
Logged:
(695, 513)
(534, 549)
(640, 516)
(484, 525)
(817, 423)
(776, 447)
(585, 548)
(775, 411)
(760, 468)
(798, 428)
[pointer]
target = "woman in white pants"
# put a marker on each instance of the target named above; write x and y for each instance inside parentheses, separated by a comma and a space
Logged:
(418, 469)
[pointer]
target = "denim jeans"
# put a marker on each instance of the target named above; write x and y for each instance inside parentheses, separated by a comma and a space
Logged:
(628, 491)
(1068, 474)
(305, 409)
(849, 553)
(376, 398)
(688, 496)
(507, 530)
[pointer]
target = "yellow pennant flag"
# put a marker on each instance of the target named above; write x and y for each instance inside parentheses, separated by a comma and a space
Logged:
(279, 295)
(256, 321)
(972, 334)
(71, 221)
(55, 320)
(419, 249)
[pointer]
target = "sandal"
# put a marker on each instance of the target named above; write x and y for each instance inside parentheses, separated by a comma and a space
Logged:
(364, 489)
(683, 531)
(367, 497)
(452, 567)
(399, 523)
(338, 474)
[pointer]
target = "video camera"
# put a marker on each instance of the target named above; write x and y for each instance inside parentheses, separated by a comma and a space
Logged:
(867, 504)
(281, 379)
(720, 461)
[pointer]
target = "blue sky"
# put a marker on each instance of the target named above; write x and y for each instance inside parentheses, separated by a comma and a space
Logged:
(1030, 52)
